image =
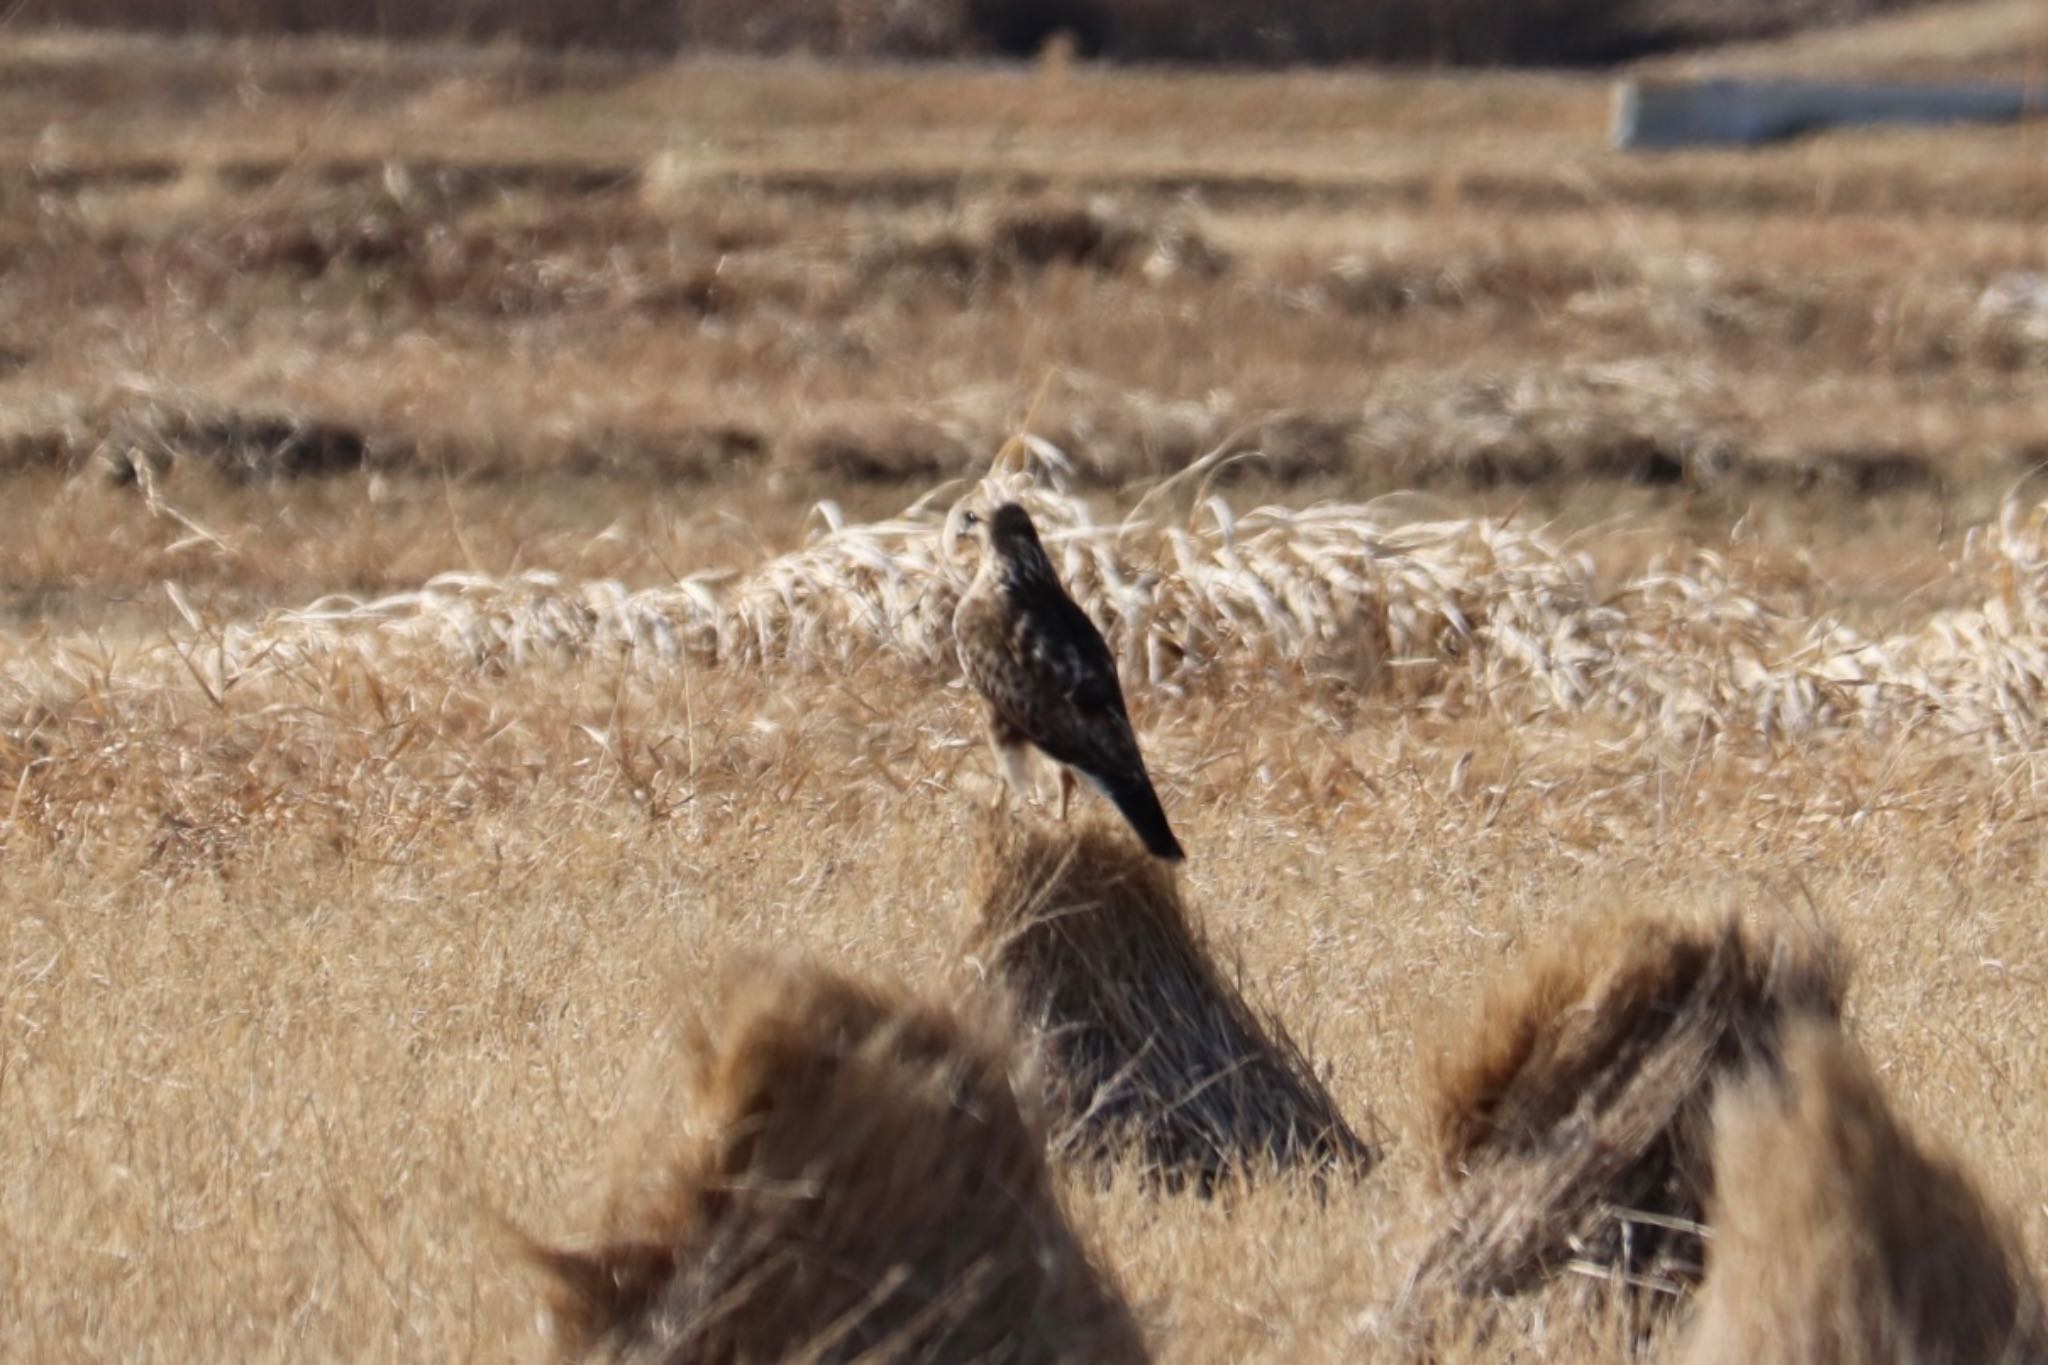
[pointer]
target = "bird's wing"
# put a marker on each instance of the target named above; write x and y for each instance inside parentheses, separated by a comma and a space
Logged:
(1075, 707)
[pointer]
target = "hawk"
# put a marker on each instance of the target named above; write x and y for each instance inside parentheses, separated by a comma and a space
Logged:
(1049, 678)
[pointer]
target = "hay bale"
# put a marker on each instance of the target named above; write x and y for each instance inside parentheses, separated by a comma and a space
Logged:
(1839, 1239)
(1147, 1045)
(1568, 1125)
(856, 1181)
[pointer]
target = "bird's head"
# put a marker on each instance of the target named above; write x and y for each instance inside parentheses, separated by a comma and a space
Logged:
(1007, 525)
(1012, 546)
(960, 537)
(1009, 529)
(1008, 541)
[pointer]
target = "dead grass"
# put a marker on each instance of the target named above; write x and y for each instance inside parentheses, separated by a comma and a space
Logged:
(1483, 363)
(839, 1174)
(407, 927)
(1454, 618)
(876, 282)
(1839, 1237)
(356, 831)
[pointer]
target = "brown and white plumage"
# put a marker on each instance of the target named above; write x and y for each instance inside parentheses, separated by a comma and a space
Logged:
(1049, 679)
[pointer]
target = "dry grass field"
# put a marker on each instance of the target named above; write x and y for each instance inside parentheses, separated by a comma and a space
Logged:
(474, 577)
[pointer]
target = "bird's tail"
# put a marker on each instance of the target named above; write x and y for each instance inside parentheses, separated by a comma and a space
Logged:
(1140, 805)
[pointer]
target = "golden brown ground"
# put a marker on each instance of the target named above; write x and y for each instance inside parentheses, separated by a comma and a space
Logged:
(305, 982)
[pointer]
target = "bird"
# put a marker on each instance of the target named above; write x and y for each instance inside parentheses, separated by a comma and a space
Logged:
(1049, 679)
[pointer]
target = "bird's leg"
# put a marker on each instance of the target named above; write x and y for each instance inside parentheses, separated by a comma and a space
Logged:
(1017, 772)
(1067, 783)
(1013, 755)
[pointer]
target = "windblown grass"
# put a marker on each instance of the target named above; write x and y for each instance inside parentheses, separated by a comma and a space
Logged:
(1454, 618)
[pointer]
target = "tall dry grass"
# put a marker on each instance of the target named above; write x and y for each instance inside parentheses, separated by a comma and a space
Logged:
(299, 986)
(386, 916)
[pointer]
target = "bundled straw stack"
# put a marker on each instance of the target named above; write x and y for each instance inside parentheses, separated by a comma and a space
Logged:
(1568, 1125)
(855, 1182)
(1840, 1238)
(1149, 1051)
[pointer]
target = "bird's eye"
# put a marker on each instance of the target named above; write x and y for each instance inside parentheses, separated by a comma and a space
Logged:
(970, 519)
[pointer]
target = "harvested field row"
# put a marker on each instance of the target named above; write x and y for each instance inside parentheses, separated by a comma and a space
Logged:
(1780, 189)
(722, 257)
(1453, 617)
(1509, 432)
(1690, 426)
(732, 336)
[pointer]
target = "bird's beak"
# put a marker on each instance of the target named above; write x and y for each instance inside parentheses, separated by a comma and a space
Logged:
(960, 528)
